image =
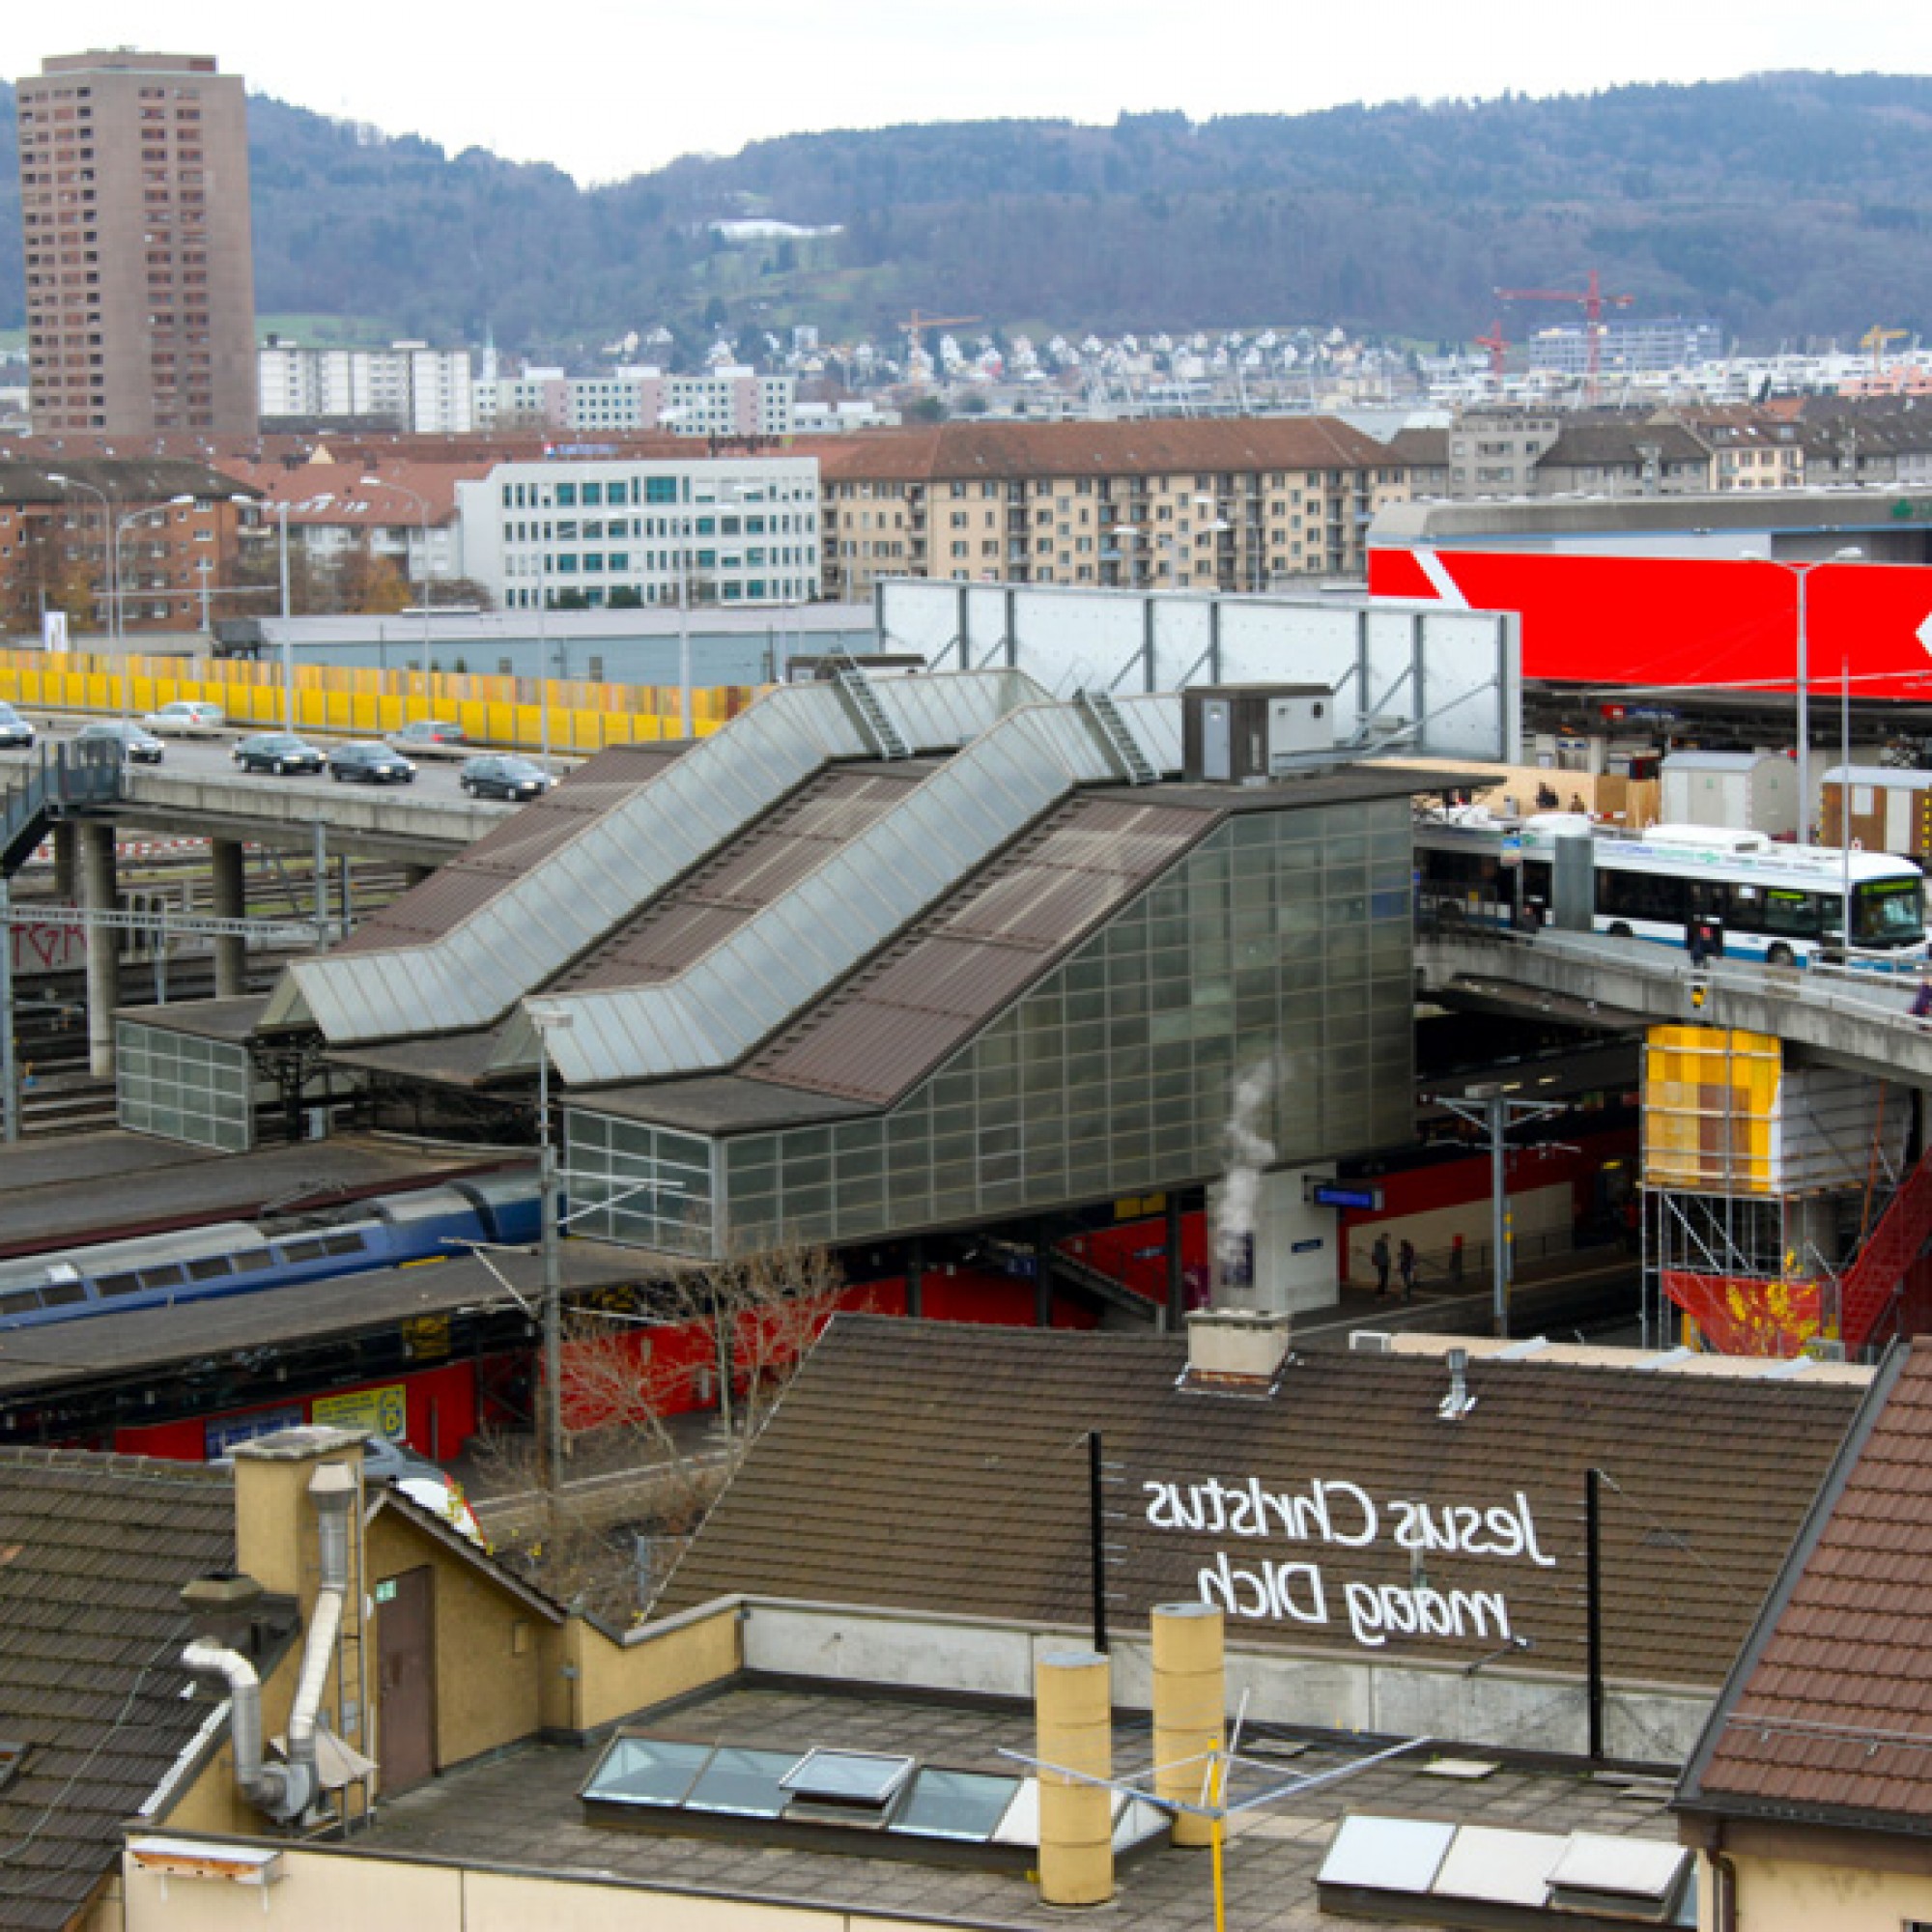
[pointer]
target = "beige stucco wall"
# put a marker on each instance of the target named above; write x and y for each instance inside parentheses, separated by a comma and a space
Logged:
(597, 1679)
(488, 1644)
(317, 1893)
(325, 1892)
(1781, 1895)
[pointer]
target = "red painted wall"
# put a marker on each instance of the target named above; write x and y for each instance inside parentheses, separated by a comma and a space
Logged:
(1651, 620)
(441, 1403)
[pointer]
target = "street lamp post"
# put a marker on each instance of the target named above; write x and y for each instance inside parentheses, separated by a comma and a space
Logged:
(428, 573)
(121, 528)
(1802, 572)
(288, 637)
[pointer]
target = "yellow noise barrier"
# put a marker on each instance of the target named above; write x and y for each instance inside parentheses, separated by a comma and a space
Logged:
(361, 702)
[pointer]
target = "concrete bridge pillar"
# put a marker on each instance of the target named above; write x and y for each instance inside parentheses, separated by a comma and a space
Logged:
(65, 847)
(231, 902)
(99, 892)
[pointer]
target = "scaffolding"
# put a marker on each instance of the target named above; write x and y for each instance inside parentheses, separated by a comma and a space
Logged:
(1762, 1180)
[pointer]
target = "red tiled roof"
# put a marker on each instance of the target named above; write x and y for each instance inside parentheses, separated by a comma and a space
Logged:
(335, 493)
(1162, 445)
(1829, 1716)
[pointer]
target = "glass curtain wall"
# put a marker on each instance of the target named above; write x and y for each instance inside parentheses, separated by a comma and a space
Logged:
(180, 1088)
(1281, 945)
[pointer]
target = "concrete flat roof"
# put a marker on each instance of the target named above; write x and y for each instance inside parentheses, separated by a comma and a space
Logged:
(521, 1812)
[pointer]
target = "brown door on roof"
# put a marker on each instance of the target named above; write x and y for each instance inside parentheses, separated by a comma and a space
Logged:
(406, 1678)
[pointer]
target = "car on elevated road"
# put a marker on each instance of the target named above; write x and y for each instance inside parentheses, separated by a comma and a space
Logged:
(370, 763)
(15, 733)
(493, 777)
(139, 744)
(432, 738)
(281, 753)
(188, 717)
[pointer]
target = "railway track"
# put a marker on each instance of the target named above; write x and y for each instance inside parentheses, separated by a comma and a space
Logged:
(58, 1094)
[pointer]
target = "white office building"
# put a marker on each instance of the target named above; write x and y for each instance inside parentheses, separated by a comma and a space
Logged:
(616, 532)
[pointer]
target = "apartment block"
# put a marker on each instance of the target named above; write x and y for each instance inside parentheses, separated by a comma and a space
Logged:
(1494, 452)
(169, 529)
(135, 236)
(727, 403)
(407, 386)
(1244, 504)
(611, 533)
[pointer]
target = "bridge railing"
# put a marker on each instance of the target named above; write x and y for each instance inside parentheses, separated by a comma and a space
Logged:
(61, 777)
(1859, 990)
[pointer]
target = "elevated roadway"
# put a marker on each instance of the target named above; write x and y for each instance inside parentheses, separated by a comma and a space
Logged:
(1856, 1019)
(393, 822)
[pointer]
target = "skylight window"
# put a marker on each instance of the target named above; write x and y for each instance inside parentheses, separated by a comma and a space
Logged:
(12, 1755)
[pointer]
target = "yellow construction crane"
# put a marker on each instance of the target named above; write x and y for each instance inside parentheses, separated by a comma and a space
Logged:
(1875, 338)
(916, 324)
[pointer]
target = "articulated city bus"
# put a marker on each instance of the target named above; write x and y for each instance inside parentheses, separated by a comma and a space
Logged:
(1782, 904)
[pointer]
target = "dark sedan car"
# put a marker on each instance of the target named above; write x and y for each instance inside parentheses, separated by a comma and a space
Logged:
(137, 745)
(370, 763)
(15, 733)
(279, 753)
(505, 777)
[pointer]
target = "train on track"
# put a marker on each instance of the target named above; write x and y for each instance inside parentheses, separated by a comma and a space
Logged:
(241, 1258)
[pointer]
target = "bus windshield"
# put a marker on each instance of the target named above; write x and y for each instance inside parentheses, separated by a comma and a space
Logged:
(1889, 912)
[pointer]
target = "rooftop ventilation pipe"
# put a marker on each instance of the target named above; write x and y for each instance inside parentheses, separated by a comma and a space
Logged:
(285, 1791)
(1459, 1402)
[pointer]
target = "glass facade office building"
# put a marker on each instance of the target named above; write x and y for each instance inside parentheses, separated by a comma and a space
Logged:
(1281, 941)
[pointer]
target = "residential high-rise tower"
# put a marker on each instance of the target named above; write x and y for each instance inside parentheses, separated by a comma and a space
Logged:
(135, 223)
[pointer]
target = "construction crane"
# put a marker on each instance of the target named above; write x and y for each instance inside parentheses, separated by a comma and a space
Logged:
(1593, 301)
(1875, 338)
(916, 325)
(1498, 347)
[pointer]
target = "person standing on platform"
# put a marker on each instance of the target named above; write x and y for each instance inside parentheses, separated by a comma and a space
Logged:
(1379, 1255)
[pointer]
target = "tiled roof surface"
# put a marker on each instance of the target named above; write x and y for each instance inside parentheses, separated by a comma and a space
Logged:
(502, 857)
(1162, 445)
(335, 493)
(94, 1551)
(1832, 1713)
(126, 482)
(931, 1466)
(1622, 442)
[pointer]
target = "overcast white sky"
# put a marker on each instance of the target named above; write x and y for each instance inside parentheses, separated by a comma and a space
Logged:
(611, 88)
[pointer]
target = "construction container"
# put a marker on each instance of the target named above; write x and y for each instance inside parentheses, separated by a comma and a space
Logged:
(1890, 810)
(1748, 791)
(1725, 1114)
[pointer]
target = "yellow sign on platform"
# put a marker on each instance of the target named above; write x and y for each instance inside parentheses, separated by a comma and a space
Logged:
(375, 1412)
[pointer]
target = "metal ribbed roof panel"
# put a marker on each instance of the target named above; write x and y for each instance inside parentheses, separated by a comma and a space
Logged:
(871, 887)
(537, 923)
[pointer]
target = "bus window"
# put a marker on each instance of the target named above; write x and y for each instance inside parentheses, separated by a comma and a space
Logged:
(1886, 912)
(1791, 915)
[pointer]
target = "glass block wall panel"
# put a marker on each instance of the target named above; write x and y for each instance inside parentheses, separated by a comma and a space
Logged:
(1282, 942)
(646, 1186)
(179, 1087)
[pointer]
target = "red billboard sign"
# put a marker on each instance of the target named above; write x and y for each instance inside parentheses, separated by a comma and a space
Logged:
(1665, 621)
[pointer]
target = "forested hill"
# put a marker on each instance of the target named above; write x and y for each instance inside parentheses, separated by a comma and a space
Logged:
(1788, 206)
